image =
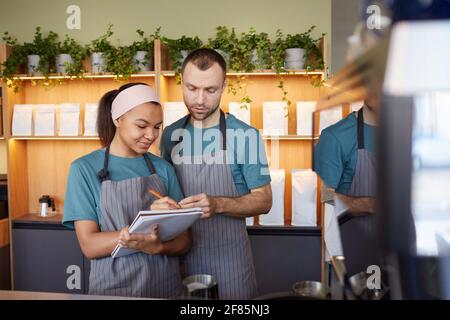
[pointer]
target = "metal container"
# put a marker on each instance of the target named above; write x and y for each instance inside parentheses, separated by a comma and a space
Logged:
(358, 283)
(311, 289)
(201, 286)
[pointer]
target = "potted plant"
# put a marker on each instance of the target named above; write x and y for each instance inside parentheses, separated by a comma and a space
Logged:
(143, 50)
(120, 61)
(69, 59)
(225, 43)
(254, 51)
(15, 61)
(178, 51)
(180, 48)
(99, 49)
(302, 51)
(277, 62)
(41, 53)
(250, 52)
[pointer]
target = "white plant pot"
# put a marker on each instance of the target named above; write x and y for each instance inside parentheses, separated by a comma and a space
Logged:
(256, 61)
(184, 54)
(225, 55)
(98, 62)
(33, 64)
(294, 65)
(254, 57)
(63, 60)
(140, 62)
(294, 54)
(294, 58)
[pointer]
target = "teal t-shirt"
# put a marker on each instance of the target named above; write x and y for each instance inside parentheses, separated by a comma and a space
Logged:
(82, 201)
(245, 150)
(336, 152)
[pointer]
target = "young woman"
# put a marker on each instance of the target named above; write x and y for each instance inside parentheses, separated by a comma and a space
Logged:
(108, 187)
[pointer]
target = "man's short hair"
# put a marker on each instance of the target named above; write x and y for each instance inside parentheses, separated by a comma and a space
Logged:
(204, 58)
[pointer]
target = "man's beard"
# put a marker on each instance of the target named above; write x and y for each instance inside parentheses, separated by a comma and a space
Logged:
(207, 115)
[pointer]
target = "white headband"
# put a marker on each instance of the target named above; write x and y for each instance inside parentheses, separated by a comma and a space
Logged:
(130, 98)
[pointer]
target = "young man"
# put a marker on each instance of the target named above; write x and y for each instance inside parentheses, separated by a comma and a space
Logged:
(222, 168)
(345, 160)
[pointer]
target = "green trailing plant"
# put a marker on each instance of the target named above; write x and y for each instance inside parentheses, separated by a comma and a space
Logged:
(253, 51)
(145, 43)
(176, 46)
(240, 52)
(277, 61)
(313, 55)
(235, 50)
(11, 66)
(237, 86)
(78, 54)
(9, 40)
(119, 61)
(284, 92)
(102, 43)
(250, 52)
(278, 52)
(46, 47)
(226, 41)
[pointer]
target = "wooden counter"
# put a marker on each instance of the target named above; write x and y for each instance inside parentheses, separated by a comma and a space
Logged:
(29, 295)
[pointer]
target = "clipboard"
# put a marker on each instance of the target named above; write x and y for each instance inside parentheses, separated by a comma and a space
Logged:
(171, 223)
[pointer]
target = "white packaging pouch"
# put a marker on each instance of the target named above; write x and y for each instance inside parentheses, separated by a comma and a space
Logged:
(44, 119)
(305, 110)
(275, 118)
(90, 119)
(173, 111)
(329, 117)
(249, 221)
(22, 123)
(355, 106)
(275, 217)
(304, 198)
(69, 119)
(240, 111)
(333, 243)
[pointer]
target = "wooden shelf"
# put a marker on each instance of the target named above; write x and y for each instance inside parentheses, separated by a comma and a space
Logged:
(107, 75)
(289, 137)
(169, 73)
(53, 138)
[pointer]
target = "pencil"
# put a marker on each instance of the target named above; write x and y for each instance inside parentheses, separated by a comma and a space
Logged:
(155, 193)
(158, 195)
